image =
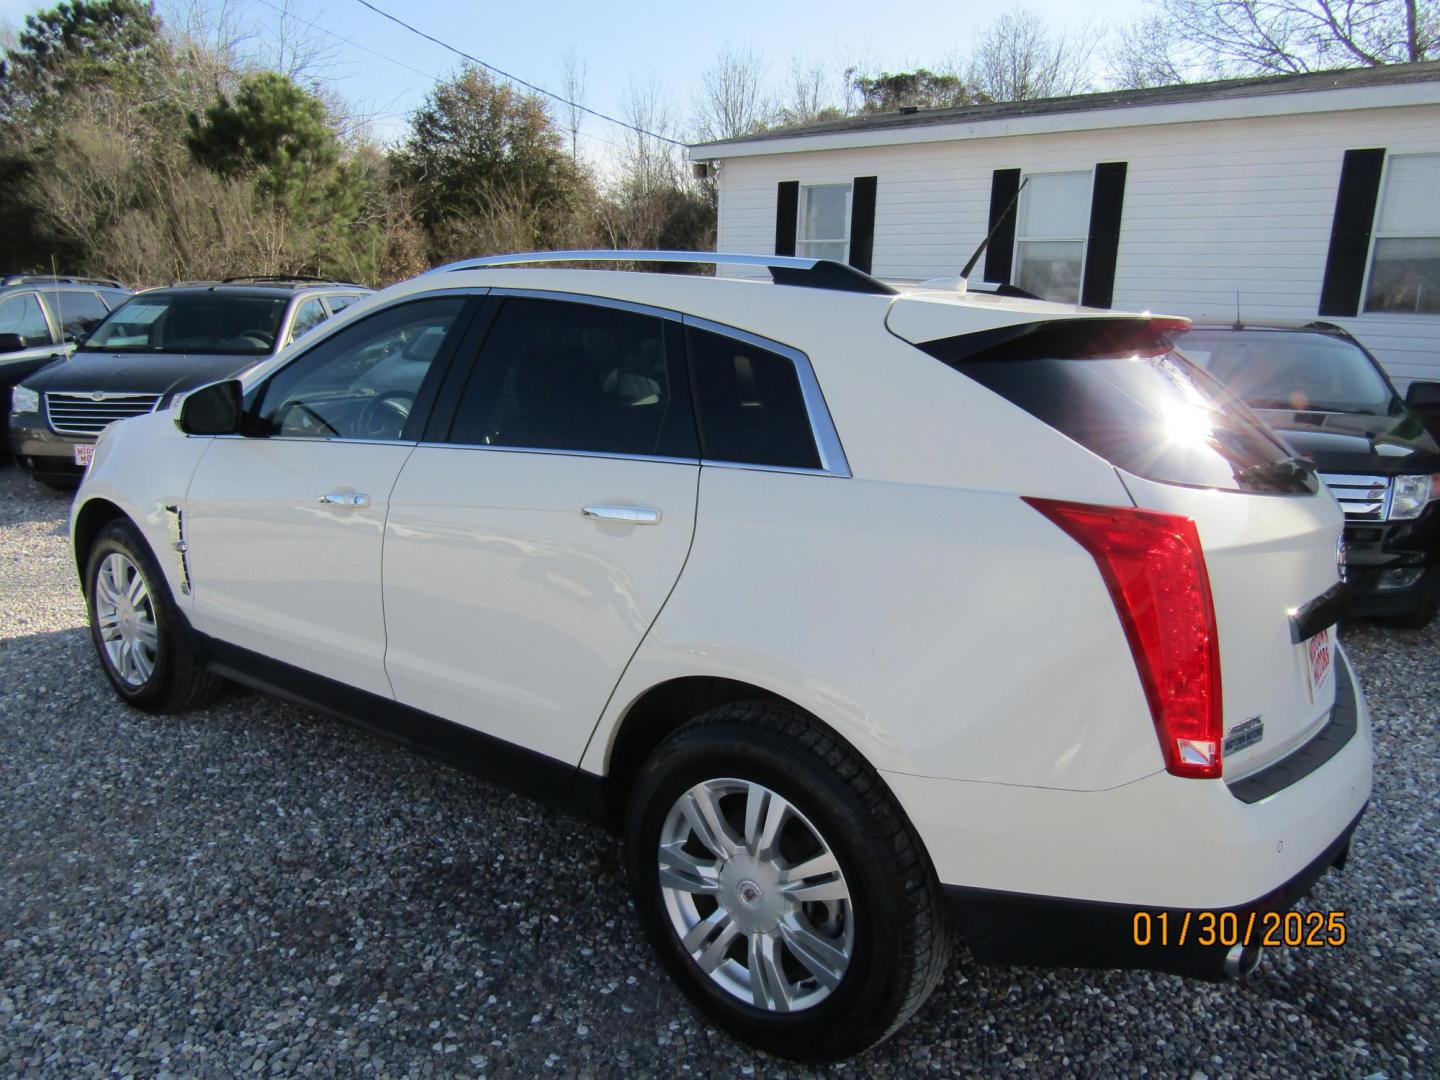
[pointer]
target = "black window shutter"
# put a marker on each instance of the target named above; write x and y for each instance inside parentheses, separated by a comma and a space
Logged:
(1350, 232)
(1107, 201)
(1000, 252)
(787, 205)
(862, 222)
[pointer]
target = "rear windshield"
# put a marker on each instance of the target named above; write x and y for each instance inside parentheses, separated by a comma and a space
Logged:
(1300, 370)
(200, 322)
(1145, 409)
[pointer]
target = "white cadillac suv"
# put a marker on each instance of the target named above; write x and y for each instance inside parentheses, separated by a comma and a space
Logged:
(869, 615)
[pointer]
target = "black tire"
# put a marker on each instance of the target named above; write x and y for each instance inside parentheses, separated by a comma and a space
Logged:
(1425, 609)
(178, 679)
(900, 942)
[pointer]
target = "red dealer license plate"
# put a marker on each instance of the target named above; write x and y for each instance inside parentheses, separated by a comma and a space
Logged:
(1319, 660)
(83, 453)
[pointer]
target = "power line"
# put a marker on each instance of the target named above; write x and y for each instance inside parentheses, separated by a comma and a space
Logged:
(515, 78)
(398, 63)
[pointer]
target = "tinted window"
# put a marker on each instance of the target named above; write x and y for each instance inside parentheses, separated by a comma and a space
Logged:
(1272, 369)
(340, 301)
(21, 314)
(77, 311)
(362, 382)
(567, 376)
(1157, 416)
(198, 322)
(749, 404)
(311, 313)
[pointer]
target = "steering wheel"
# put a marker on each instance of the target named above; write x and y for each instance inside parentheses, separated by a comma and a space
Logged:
(396, 403)
(261, 337)
(312, 418)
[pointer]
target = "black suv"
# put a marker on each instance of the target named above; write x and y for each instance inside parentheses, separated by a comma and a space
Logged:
(41, 316)
(160, 343)
(1330, 399)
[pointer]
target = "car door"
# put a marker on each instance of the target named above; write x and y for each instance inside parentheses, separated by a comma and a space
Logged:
(533, 540)
(284, 525)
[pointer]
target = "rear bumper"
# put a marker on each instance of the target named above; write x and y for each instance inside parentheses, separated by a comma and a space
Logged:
(1037, 931)
(1088, 860)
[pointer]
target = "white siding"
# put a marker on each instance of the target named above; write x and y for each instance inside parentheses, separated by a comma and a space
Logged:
(1210, 208)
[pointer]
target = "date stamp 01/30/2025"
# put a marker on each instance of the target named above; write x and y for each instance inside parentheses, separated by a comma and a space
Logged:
(1314, 929)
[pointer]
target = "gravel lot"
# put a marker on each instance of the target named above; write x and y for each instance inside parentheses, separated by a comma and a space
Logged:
(259, 890)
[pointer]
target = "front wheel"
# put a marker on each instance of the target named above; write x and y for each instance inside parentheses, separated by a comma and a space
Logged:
(145, 646)
(782, 884)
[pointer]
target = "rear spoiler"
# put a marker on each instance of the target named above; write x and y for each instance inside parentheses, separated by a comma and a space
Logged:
(1072, 339)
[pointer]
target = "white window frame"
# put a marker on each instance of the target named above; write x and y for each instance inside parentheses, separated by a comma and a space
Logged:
(801, 240)
(1019, 211)
(1376, 234)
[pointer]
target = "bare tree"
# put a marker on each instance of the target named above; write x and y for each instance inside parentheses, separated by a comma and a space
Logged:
(1019, 58)
(732, 100)
(808, 95)
(1240, 37)
(648, 162)
(295, 46)
(573, 74)
(1147, 53)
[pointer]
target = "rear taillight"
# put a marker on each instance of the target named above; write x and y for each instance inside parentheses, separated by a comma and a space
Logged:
(1155, 569)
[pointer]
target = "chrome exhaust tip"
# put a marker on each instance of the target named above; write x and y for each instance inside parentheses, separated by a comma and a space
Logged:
(1242, 960)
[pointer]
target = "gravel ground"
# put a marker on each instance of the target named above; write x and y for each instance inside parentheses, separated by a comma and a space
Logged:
(255, 889)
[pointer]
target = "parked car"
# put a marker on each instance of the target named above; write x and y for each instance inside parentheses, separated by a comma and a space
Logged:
(41, 317)
(1329, 398)
(842, 602)
(159, 343)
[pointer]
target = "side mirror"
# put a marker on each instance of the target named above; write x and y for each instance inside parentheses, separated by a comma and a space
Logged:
(11, 343)
(211, 410)
(1423, 395)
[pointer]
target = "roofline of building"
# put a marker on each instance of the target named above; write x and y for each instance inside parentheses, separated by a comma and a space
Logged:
(1400, 85)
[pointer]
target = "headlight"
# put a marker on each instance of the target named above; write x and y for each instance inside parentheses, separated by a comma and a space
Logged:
(1412, 494)
(23, 400)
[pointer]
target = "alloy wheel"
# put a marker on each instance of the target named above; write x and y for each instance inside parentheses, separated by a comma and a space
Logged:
(755, 895)
(125, 615)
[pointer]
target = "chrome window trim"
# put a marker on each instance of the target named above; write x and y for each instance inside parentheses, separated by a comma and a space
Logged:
(708, 463)
(822, 426)
(550, 452)
(587, 298)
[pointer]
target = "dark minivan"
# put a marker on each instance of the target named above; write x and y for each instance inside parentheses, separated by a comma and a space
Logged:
(1329, 398)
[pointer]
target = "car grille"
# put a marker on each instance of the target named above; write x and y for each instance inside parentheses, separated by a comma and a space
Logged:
(1363, 498)
(89, 414)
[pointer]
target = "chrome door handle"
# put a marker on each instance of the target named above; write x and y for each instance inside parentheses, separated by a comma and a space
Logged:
(631, 515)
(340, 498)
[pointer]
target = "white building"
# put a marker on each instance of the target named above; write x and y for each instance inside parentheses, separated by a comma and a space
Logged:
(1310, 196)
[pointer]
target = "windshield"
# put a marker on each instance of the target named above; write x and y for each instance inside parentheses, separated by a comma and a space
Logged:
(192, 322)
(1300, 370)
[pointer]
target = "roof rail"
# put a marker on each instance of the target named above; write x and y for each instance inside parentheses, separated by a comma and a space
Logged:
(59, 279)
(784, 269)
(283, 278)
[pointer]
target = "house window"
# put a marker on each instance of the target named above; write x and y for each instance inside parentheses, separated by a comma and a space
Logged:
(1050, 234)
(823, 230)
(1405, 259)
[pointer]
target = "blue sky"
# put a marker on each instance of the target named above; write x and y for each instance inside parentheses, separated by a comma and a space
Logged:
(385, 71)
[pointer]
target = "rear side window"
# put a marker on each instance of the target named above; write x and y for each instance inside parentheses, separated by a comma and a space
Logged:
(1142, 407)
(559, 375)
(21, 314)
(749, 404)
